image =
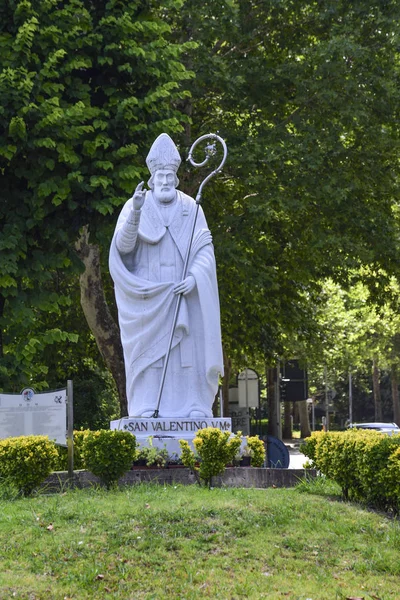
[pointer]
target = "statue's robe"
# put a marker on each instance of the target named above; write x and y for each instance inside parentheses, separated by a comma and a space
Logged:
(144, 280)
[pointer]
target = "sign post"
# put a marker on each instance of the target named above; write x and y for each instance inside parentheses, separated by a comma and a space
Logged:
(248, 394)
(278, 402)
(326, 400)
(70, 428)
(350, 397)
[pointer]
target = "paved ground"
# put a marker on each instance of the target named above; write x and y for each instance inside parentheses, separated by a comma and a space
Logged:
(296, 457)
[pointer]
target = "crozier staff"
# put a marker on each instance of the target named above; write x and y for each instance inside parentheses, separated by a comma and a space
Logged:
(146, 263)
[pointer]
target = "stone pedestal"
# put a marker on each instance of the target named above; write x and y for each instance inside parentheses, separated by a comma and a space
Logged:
(166, 433)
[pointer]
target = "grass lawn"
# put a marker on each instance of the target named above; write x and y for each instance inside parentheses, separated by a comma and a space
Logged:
(181, 542)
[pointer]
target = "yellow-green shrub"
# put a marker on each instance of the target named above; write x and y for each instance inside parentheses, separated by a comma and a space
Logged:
(373, 464)
(108, 454)
(309, 445)
(357, 460)
(188, 457)
(61, 463)
(26, 461)
(334, 454)
(256, 450)
(337, 456)
(391, 480)
(319, 448)
(215, 450)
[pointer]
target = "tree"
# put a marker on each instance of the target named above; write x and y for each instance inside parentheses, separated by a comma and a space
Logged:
(355, 335)
(305, 95)
(84, 88)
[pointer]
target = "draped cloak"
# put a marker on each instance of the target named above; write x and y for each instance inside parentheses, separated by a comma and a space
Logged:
(144, 280)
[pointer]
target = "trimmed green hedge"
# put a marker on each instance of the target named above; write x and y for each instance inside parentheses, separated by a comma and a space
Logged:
(108, 454)
(215, 449)
(26, 461)
(366, 464)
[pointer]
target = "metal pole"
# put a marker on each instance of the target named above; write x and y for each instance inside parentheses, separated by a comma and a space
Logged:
(277, 402)
(246, 378)
(258, 413)
(313, 414)
(350, 397)
(70, 429)
(247, 401)
(326, 400)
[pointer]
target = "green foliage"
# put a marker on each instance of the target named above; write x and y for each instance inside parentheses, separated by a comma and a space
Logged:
(374, 455)
(84, 90)
(188, 457)
(309, 445)
(8, 490)
(364, 463)
(174, 538)
(304, 96)
(108, 454)
(61, 463)
(26, 461)
(95, 396)
(336, 455)
(307, 99)
(319, 486)
(353, 331)
(214, 448)
(152, 455)
(256, 450)
(390, 479)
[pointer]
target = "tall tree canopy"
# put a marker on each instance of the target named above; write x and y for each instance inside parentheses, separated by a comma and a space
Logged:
(84, 89)
(306, 95)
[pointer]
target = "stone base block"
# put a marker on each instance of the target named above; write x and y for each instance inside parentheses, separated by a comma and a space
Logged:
(243, 477)
(172, 427)
(166, 433)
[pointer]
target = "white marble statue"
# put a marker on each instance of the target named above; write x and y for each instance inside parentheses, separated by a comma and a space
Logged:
(146, 263)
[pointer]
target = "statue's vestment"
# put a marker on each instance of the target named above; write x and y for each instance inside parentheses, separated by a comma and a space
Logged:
(144, 280)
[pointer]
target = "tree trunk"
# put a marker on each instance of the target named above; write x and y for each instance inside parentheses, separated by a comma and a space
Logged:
(287, 432)
(98, 316)
(395, 393)
(273, 417)
(377, 390)
(225, 383)
(305, 429)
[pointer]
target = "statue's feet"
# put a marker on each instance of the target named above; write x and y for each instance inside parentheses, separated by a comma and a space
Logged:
(197, 413)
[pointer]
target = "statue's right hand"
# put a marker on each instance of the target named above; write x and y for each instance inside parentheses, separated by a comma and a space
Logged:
(139, 196)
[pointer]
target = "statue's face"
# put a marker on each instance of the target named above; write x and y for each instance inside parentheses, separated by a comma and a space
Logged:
(164, 185)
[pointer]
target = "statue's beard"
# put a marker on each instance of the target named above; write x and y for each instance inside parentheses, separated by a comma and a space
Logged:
(165, 197)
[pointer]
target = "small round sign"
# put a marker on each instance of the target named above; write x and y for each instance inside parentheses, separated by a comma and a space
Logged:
(28, 394)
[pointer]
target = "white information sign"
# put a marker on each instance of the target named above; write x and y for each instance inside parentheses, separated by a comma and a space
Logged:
(29, 413)
(248, 389)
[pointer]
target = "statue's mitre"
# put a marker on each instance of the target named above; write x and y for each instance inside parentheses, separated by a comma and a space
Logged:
(163, 155)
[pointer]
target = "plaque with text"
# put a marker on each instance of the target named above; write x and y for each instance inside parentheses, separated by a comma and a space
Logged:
(29, 413)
